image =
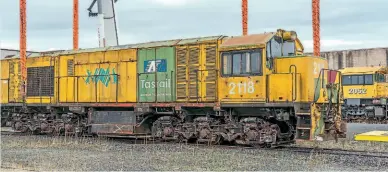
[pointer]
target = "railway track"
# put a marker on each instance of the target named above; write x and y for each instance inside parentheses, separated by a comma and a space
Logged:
(10, 132)
(343, 152)
(296, 149)
(308, 150)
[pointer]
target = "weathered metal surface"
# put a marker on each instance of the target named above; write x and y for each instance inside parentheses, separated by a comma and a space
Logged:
(115, 129)
(199, 40)
(98, 76)
(156, 74)
(156, 44)
(5, 73)
(197, 70)
(254, 40)
(14, 81)
(113, 122)
(115, 104)
(113, 117)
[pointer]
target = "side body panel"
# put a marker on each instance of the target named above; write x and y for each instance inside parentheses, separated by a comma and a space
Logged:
(362, 91)
(243, 88)
(308, 74)
(14, 81)
(5, 80)
(382, 90)
(197, 71)
(156, 74)
(40, 79)
(101, 76)
(66, 80)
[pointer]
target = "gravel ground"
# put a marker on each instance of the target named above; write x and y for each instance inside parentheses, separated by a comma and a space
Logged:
(92, 154)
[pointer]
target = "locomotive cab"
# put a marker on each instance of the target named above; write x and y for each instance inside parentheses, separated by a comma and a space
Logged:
(266, 78)
(247, 60)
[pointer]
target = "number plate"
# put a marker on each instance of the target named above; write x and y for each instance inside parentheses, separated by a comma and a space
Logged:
(357, 91)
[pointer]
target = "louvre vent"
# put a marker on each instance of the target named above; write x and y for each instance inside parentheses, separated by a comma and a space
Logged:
(70, 67)
(181, 73)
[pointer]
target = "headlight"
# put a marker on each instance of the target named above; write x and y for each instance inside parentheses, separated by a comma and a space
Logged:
(289, 35)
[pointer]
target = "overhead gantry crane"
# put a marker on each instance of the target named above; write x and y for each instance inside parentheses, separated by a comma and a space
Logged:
(315, 23)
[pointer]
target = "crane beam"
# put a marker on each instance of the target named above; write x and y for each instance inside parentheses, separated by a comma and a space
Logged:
(75, 24)
(245, 16)
(316, 28)
(23, 47)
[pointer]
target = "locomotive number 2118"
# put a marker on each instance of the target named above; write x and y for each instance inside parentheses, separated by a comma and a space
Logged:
(241, 88)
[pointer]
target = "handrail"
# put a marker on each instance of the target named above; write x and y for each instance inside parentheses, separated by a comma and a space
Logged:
(76, 86)
(294, 82)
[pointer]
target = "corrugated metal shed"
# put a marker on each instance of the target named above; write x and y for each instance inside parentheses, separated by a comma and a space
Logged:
(356, 58)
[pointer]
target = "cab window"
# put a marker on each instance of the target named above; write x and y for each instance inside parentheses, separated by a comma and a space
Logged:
(357, 79)
(368, 79)
(380, 77)
(242, 63)
(227, 65)
(288, 48)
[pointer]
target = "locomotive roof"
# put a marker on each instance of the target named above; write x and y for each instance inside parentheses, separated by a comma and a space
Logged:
(253, 39)
(163, 43)
(362, 70)
(248, 40)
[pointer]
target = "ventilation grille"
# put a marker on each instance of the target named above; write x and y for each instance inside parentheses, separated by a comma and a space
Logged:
(193, 62)
(211, 68)
(70, 67)
(211, 55)
(40, 81)
(181, 73)
(193, 72)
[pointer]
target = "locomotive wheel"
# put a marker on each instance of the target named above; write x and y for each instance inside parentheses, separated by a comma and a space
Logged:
(157, 130)
(3, 122)
(217, 139)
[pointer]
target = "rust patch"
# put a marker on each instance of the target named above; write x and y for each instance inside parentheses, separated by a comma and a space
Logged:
(254, 39)
(121, 129)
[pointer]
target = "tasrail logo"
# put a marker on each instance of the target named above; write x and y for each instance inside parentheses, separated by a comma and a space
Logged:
(101, 75)
(159, 65)
(159, 84)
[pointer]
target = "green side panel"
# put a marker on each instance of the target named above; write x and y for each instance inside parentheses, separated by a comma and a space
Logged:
(320, 125)
(156, 74)
(317, 88)
(334, 96)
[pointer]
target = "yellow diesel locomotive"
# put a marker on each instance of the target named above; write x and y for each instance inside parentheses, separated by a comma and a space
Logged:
(258, 90)
(365, 94)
